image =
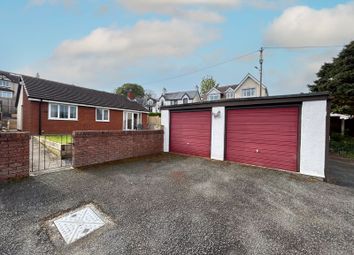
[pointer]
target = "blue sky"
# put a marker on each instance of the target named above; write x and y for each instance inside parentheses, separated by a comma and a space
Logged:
(102, 44)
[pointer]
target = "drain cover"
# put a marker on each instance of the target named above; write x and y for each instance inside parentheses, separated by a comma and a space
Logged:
(77, 224)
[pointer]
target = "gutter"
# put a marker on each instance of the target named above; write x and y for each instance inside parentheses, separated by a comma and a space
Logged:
(268, 100)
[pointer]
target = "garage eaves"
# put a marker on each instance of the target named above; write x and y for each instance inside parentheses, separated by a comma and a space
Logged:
(269, 100)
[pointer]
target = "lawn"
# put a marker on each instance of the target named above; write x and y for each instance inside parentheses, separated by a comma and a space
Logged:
(62, 139)
(342, 145)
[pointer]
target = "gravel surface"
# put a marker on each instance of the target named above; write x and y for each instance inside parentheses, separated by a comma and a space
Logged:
(341, 171)
(170, 204)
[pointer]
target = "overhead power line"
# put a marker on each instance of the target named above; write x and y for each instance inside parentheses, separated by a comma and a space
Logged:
(203, 68)
(243, 56)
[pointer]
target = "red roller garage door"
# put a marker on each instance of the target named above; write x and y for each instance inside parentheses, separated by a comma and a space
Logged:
(190, 133)
(263, 137)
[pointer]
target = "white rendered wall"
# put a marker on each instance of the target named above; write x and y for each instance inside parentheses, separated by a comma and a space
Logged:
(217, 133)
(313, 138)
(20, 110)
(165, 121)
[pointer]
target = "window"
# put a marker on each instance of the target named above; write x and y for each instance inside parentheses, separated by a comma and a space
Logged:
(7, 94)
(185, 100)
(230, 95)
(4, 83)
(161, 103)
(62, 112)
(249, 92)
(132, 121)
(212, 97)
(102, 115)
(174, 102)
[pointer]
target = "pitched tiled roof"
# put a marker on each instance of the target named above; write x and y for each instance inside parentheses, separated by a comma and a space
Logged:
(178, 95)
(222, 89)
(12, 77)
(55, 91)
(6, 89)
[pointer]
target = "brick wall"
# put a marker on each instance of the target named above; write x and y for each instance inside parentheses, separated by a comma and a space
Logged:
(95, 147)
(14, 155)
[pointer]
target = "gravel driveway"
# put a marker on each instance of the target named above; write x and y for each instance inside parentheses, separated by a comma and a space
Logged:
(170, 204)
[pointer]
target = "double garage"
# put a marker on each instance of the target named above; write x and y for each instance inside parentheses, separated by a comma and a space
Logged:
(266, 132)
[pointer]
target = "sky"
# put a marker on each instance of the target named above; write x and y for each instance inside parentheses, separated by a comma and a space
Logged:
(173, 44)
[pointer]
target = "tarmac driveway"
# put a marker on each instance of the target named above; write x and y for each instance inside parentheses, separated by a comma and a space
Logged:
(181, 205)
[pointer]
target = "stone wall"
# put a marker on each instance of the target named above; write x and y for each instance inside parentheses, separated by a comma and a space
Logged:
(95, 147)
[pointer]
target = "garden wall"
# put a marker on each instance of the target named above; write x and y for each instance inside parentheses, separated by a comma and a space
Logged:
(14, 155)
(95, 147)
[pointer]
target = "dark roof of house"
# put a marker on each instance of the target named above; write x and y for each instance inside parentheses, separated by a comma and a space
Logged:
(38, 88)
(222, 89)
(12, 77)
(6, 89)
(178, 95)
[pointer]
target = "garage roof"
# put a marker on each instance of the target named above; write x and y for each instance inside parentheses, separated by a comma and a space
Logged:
(282, 99)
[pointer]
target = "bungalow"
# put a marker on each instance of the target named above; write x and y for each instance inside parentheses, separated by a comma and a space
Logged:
(50, 107)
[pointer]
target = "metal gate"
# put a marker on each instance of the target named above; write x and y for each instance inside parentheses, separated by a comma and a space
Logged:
(50, 152)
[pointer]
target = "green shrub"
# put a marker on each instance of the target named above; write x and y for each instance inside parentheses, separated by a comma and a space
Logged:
(342, 145)
(152, 114)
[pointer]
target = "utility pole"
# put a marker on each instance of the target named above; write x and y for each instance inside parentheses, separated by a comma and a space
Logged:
(260, 70)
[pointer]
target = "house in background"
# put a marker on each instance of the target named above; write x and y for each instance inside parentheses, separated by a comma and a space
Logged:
(148, 102)
(248, 87)
(8, 91)
(50, 107)
(151, 104)
(174, 98)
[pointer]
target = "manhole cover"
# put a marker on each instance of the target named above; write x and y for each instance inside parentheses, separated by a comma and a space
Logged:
(77, 224)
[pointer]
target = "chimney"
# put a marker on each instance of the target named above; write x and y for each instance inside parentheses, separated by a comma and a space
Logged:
(37, 75)
(164, 90)
(131, 95)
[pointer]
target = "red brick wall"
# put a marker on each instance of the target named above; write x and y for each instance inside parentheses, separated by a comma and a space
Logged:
(86, 120)
(14, 155)
(95, 147)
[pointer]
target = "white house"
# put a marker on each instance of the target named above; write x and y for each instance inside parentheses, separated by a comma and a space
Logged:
(248, 87)
(175, 98)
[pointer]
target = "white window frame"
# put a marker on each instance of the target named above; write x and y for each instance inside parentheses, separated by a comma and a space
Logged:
(58, 108)
(185, 98)
(230, 94)
(102, 120)
(6, 94)
(125, 122)
(4, 83)
(250, 92)
(213, 97)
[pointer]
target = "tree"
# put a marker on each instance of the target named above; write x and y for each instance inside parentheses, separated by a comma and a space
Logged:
(337, 78)
(135, 88)
(150, 93)
(207, 84)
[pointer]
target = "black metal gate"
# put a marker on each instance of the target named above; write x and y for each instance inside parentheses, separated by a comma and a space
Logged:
(50, 152)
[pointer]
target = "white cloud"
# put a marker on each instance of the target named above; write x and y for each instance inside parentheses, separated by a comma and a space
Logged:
(108, 52)
(302, 25)
(160, 6)
(198, 10)
(302, 71)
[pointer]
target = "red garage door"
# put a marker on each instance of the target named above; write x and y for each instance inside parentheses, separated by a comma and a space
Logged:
(263, 137)
(190, 133)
